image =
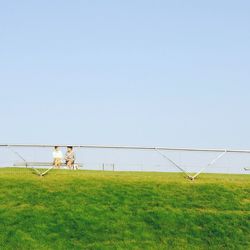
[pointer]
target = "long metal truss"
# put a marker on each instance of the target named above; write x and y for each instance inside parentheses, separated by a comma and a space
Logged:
(160, 150)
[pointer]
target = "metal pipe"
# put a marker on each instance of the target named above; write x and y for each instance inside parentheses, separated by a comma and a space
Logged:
(128, 147)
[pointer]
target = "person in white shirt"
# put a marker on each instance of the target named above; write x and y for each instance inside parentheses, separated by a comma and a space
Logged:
(57, 156)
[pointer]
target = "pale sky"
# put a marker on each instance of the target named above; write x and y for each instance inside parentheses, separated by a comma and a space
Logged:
(165, 73)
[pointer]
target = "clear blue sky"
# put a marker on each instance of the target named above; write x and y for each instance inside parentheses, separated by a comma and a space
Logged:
(169, 73)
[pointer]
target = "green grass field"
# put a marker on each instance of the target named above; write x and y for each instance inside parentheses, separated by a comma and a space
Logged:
(123, 210)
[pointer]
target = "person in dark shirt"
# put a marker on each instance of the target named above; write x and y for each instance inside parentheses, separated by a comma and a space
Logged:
(70, 157)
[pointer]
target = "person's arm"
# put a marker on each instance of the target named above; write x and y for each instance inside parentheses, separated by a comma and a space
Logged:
(66, 157)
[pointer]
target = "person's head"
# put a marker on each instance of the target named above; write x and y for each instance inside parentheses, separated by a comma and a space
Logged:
(69, 148)
(56, 148)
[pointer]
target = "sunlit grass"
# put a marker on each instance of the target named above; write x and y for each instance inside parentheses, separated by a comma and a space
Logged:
(123, 210)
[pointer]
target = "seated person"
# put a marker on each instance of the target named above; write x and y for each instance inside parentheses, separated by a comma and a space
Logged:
(70, 157)
(57, 156)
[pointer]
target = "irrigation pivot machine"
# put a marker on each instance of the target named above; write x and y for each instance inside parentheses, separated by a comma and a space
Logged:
(189, 161)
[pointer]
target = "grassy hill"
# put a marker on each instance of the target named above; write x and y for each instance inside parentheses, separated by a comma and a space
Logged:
(114, 210)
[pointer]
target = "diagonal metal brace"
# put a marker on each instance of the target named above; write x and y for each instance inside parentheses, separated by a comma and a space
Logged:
(42, 173)
(26, 165)
(19, 155)
(175, 164)
(45, 172)
(210, 164)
